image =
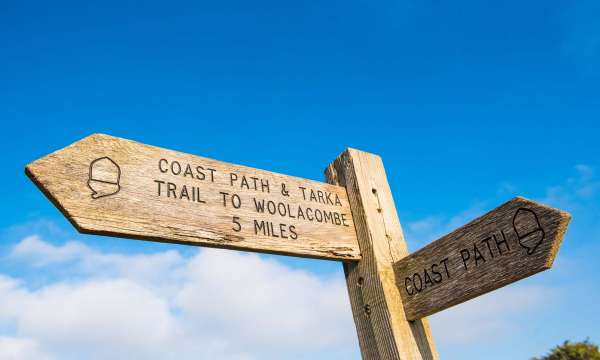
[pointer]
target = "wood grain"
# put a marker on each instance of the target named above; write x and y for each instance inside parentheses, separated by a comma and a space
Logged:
(383, 331)
(516, 240)
(111, 186)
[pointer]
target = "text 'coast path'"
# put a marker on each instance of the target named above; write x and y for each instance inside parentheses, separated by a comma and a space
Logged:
(514, 241)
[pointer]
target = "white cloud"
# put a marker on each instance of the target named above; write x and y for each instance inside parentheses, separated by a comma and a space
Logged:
(13, 348)
(491, 316)
(216, 304)
(157, 271)
(264, 304)
(425, 225)
(103, 318)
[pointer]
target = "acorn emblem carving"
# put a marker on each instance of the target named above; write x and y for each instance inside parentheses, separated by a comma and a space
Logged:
(104, 177)
(528, 229)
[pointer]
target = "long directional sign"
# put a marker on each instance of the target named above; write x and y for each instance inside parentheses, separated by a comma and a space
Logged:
(112, 186)
(516, 240)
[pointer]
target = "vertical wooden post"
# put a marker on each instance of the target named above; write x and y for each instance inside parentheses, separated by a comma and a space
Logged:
(383, 331)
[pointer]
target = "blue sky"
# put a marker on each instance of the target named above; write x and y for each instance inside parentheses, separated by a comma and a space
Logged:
(468, 103)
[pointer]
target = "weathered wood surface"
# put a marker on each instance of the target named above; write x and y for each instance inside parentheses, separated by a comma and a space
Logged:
(112, 186)
(516, 240)
(383, 331)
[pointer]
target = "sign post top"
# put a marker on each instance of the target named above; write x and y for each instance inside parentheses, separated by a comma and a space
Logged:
(111, 186)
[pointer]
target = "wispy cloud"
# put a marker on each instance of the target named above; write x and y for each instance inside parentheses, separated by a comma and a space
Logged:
(42, 253)
(421, 232)
(492, 315)
(576, 192)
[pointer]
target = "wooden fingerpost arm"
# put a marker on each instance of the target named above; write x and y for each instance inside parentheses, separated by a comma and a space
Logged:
(383, 331)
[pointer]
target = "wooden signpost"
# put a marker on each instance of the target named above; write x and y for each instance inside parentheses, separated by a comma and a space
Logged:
(111, 186)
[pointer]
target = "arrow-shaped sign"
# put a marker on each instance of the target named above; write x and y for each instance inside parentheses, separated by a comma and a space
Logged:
(514, 241)
(110, 186)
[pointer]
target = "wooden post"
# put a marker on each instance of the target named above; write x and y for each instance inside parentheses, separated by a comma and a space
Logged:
(383, 331)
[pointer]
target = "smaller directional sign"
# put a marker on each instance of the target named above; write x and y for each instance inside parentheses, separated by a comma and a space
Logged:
(514, 241)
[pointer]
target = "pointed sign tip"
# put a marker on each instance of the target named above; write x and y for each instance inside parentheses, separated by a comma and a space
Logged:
(30, 171)
(564, 218)
(36, 173)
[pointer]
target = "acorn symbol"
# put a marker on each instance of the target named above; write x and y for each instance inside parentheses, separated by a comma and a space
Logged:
(529, 230)
(104, 177)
